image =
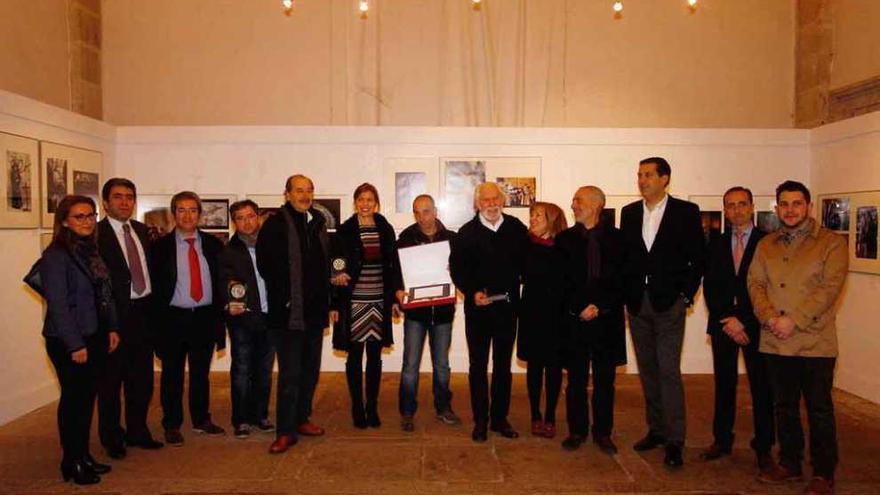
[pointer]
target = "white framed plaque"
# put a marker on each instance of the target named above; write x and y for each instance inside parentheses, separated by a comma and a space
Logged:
(426, 279)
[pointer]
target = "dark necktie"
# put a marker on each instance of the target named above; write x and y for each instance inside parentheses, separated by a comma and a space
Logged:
(195, 271)
(138, 281)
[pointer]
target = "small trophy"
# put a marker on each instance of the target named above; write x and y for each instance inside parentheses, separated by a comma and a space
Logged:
(237, 296)
(338, 266)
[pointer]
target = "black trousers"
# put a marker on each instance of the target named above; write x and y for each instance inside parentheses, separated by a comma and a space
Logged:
(188, 338)
(725, 354)
(299, 366)
(354, 374)
(491, 327)
(658, 338)
(580, 358)
(129, 369)
(811, 378)
(542, 375)
(78, 390)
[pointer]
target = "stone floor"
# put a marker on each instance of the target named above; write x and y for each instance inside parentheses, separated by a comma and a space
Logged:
(435, 458)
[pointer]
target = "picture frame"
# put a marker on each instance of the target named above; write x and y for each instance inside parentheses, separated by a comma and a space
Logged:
(711, 214)
(833, 212)
(765, 213)
(520, 176)
(616, 202)
(67, 170)
(863, 248)
(19, 182)
(154, 211)
(215, 214)
(404, 179)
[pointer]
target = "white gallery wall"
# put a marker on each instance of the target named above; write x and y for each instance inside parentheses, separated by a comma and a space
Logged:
(28, 380)
(846, 158)
(242, 161)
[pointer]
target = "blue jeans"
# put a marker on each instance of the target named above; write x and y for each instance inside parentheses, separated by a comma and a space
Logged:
(440, 336)
(253, 354)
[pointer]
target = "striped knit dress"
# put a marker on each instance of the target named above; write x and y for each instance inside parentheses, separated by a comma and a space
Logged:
(367, 299)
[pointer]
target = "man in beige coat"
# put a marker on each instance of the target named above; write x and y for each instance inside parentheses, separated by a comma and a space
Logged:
(795, 279)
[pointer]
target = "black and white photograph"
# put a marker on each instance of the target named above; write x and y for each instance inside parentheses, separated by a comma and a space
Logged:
(19, 187)
(56, 182)
(711, 222)
(408, 185)
(835, 214)
(520, 191)
(159, 221)
(86, 184)
(461, 177)
(331, 208)
(768, 221)
(866, 232)
(215, 214)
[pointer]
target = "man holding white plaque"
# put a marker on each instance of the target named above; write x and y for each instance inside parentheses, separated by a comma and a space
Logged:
(427, 296)
(486, 262)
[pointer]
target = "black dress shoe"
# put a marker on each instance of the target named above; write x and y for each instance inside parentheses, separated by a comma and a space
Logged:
(148, 444)
(505, 430)
(650, 441)
(373, 420)
(605, 444)
(480, 434)
(79, 473)
(358, 418)
(673, 457)
(715, 451)
(116, 451)
(95, 466)
(573, 442)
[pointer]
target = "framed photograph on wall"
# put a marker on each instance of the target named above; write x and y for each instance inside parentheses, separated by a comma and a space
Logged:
(67, 170)
(154, 210)
(407, 178)
(268, 203)
(834, 213)
(19, 182)
(863, 238)
(520, 177)
(765, 213)
(215, 214)
(711, 215)
(332, 208)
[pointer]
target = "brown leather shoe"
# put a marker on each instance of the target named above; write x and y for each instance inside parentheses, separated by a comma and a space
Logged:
(819, 486)
(281, 444)
(310, 429)
(776, 474)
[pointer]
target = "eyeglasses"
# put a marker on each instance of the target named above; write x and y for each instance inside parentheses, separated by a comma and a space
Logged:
(82, 217)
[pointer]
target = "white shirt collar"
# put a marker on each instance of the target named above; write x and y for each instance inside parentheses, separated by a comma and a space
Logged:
(659, 207)
(488, 225)
(116, 224)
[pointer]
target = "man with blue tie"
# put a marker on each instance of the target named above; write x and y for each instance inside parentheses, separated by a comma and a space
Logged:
(733, 326)
(184, 283)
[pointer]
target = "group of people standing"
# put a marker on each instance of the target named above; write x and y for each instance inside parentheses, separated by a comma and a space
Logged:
(560, 293)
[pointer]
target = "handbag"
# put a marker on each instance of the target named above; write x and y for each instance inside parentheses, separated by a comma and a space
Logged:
(33, 279)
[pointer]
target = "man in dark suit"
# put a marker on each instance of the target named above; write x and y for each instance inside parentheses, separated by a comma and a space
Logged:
(591, 251)
(733, 326)
(293, 252)
(184, 283)
(664, 245)
(246, 304)
(486, 265)
(125, 248)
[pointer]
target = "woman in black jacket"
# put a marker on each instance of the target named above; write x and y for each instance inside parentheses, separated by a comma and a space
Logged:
(540, 320)
(80, 327)
(364, 298)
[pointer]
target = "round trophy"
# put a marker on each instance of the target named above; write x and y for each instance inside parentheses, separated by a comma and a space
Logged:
(339, 265)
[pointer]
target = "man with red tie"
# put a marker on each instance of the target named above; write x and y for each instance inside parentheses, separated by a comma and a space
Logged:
(184, 282)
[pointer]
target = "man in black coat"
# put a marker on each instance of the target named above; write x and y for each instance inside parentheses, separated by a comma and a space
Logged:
(486, 264)
(185, 285)
(293, 254)
(591, 253)
(433, 321)
(246, 305)
(125, 248)
(663, 241)
(733, 326)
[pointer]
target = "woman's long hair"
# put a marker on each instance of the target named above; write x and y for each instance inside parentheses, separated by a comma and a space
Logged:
(64, 236)
(556, 221)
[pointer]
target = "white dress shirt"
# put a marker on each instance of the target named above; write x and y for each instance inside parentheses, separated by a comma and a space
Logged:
(120, 237)
(488, 224)
(651, 221)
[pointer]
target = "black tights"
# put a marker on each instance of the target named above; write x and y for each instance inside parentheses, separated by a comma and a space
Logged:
(354, 373)
(536, 373)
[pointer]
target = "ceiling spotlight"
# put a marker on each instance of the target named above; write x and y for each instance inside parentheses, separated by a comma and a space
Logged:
(364, 6)
(692, 3)
(288, 6)
(618, 7)
(476, 4)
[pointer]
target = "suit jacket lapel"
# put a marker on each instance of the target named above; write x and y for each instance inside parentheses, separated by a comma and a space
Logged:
(112, 243)
(640, 222)
(664, 222)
